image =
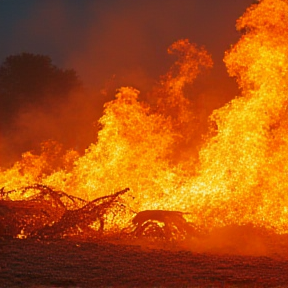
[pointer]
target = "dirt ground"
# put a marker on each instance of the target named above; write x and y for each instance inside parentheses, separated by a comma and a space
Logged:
(63, 263)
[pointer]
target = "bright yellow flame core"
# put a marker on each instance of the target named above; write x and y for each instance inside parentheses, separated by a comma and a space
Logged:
(241, 175)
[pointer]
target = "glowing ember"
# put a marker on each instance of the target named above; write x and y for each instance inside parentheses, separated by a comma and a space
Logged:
(238, 178)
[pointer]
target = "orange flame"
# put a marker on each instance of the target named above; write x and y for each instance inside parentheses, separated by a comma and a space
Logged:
(241, 175)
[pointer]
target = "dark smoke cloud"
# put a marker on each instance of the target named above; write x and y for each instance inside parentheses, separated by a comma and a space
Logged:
(104, 38)
(110, 44)
(133, 35)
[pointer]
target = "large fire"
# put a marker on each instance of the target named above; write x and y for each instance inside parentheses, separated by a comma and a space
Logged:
(238, 177)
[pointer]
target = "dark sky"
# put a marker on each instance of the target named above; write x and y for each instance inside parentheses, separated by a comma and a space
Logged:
(123, 37)
(111, 43)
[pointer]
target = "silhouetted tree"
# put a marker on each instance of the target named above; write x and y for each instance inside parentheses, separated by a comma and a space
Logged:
(27, 80)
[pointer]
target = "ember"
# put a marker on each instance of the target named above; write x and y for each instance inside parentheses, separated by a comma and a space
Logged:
(238, 179)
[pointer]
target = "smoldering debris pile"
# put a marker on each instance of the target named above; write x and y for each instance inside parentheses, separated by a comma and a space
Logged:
(43, 213)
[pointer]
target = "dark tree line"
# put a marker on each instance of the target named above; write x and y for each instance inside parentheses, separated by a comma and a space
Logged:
(31, 80)
(35, 105)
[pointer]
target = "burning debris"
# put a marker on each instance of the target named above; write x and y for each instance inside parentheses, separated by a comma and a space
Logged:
(168, 225)
(87, 221)
(40, 206)
(49, 214)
